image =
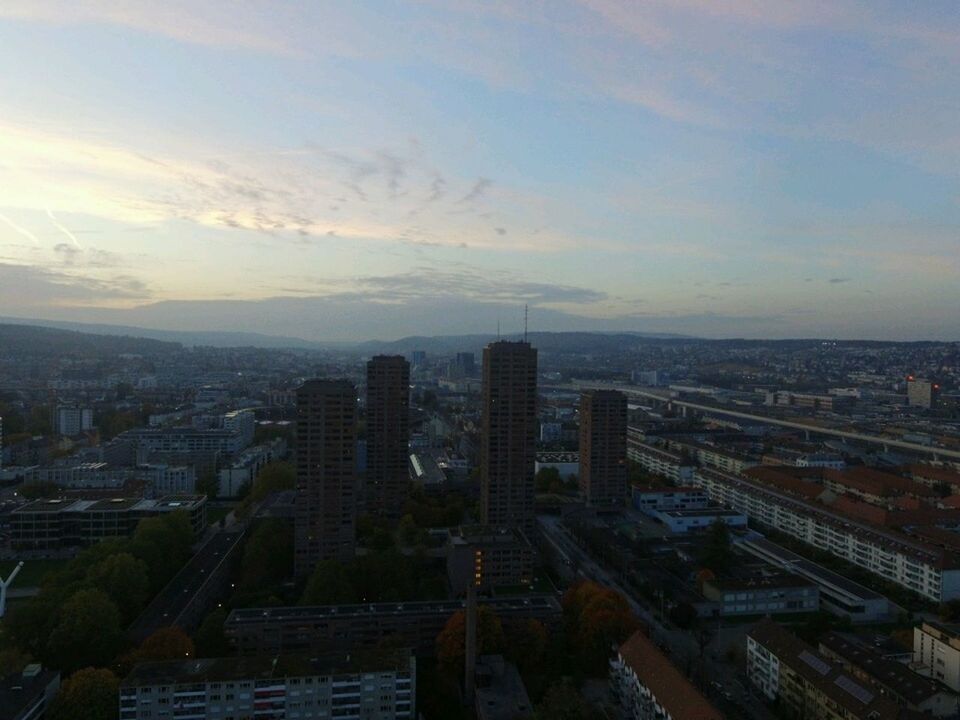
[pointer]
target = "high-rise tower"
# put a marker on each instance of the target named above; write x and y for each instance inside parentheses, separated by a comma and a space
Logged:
(326, 473)
(603, 447)
(388, 434)
(508, 434)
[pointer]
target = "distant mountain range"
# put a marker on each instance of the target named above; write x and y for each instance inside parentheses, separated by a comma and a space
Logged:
(31, 341)
(57, 335)
(212, 338)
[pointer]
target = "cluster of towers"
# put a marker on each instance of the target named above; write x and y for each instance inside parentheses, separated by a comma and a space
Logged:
(327, 484)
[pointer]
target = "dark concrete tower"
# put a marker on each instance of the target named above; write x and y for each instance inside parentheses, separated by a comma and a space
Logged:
(508, 434)
(603, 447)
(388, 434)
(326, 473)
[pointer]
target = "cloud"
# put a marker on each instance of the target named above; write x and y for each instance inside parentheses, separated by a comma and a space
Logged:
(430, 283)
(20, 230)
(290, 195)
(838, 280)
(477, 191)
(29, 286)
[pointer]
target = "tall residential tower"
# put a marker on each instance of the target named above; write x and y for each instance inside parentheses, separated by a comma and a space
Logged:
(508, 434)
(326, 473)
(603, 447)
(388, 434)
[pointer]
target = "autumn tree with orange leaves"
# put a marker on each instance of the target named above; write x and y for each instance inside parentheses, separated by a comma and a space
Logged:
(596, 618)
(169, 643)
(451, 642)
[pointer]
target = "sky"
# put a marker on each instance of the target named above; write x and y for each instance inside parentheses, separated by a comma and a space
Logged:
(360, 170)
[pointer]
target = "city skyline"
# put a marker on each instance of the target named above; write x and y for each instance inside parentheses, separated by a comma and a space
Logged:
(376, 170)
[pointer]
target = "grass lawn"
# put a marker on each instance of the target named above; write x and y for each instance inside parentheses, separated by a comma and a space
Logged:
(32, 571)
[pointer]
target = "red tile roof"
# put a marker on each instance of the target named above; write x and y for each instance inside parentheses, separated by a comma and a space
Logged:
(667, 684)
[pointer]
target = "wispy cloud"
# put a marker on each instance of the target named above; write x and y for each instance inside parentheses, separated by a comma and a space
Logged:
(19, 229)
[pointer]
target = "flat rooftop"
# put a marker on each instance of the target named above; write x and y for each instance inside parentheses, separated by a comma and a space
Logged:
(547, 603)
(266, 667)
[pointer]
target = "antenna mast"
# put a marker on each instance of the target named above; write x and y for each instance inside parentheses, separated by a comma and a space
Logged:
(526, 312)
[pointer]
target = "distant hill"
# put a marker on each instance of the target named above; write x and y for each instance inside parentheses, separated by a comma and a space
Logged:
(549, 342)
(212, 338)
(28, 340)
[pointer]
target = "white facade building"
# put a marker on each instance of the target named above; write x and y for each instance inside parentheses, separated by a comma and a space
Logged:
(72, 420)
(659, 462)
(936, 653)
(922, 568)
(280, 688)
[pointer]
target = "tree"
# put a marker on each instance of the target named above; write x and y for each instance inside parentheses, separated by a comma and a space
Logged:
(210, 639)
(451, 642)
(169, 643)
(164, 544)
(527, 645)
(87, 633)
(595, 618)
(88, 694)
(208, 484)
(563, 702)
(547, 480)
(267, 555)
(329, 585)
(125, 579)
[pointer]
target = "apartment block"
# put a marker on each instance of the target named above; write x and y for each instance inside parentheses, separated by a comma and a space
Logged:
(368, 686)
(657, 461)
(508, 433)
(388, 434)
(326, 473)
(925, 569)
(808, 685)
(648, 686)
(603, 447)
(936, 652)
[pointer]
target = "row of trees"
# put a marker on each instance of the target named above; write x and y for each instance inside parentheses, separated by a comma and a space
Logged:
(79, 617)
(379, 576)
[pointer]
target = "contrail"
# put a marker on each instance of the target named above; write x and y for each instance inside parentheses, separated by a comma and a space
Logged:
(23, 231)
(62, 229)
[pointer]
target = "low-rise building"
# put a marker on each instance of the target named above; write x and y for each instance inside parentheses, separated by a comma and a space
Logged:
(649, 500)
(838, 594)
(500, 692)
(772, 594)
(373, 685)
(49, 524)
(565, 463)
(892, 678)
(649, 687)
(488, 557)
(297, 629)
(807, 685)
(684, 521)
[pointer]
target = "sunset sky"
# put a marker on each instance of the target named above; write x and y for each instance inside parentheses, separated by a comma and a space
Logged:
(361, 169)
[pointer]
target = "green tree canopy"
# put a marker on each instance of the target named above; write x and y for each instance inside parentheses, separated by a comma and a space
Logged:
(126, 580)
(87, 632)
(88, 694)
